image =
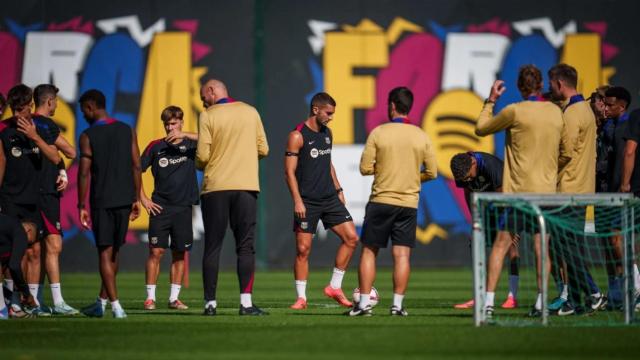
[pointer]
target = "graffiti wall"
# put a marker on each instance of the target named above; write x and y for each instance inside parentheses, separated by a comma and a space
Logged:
(277, 54)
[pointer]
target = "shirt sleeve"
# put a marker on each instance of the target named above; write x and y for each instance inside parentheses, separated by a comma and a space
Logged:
(147, 157)
(49, 132)
(205, 136)
(430, 171)
(368, 159)
(634, 127)
(261, 139)
(489, 124)
(494, 168)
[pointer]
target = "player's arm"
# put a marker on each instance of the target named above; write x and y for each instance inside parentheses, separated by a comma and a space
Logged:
(430, 170)
(147, 158)
(3, 163)
(179, 135)
(336, 185)
(203, 150)
(487, 123)
(568, 138)
(86, 157)
(137, 175)
(28, 128)
(63, 145)
(629, 160)
(261, 140)
(368, 159)
(294, 144)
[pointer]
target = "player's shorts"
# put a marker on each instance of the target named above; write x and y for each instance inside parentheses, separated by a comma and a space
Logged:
(110, 225)
(24, 213)
(50, 213)
(331, 211)
(171, 228)
(383, 222)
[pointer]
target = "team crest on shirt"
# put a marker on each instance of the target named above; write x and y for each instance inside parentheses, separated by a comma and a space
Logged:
(327, 140)
(182, 148)
(58, 225)
(314, 153)
(16, 151)
(163, 162)
(154, 240)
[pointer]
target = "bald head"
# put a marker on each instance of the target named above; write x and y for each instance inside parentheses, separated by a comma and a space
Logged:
(212, 91)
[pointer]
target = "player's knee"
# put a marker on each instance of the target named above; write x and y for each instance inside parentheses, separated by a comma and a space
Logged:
(351, 240)
(156, 253)
(303, 251)
(54, 247)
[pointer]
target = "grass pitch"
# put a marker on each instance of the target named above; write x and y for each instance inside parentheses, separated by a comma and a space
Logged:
(432, 330)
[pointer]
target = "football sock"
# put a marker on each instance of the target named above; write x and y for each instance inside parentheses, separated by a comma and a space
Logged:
(397, 300)
(565, 292)
(491, 296)
(151, 292)
(103, 302)
(538, 305)
(56, 294)
(301, 288)
(115, 305)
(8, 284)
(211, 303)
(513, 285)
(33, 290)
(636, 277)
(336, 278)
(175, 292)
(364, 301)
(245, 300)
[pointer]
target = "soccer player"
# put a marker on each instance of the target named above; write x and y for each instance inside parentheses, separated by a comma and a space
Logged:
(578, 176)
(172, 162)
(482, 172)
(14, 239)
(536, 144)
(231, 141)
(617, 100)
(317, 195)
(604, 138)
(53, 180)
(22, 145)
(109, 154)
(400, 156)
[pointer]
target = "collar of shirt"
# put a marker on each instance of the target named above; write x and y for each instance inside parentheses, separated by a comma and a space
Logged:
(479, 161)
(535, 98)
(225, 101)
(106, 121)
(574, 99)
(401, 120)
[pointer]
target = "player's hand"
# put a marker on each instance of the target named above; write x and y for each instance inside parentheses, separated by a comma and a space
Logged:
(85, 219)
(151, 207)
(515, 239)
(497, 90)
(341, 197)
(135, 211)
(174, 135)
(62, 181)
(27, 127)
(625, 188)
(300, 210)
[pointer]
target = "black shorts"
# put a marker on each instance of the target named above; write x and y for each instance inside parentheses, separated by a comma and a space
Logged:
(110, 225)
(383, 222)
(24, 213)
(173, 222)
(50, 213)
(331, 211)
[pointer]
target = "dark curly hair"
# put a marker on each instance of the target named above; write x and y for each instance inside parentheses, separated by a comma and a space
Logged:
(460, 166)
(529, 80)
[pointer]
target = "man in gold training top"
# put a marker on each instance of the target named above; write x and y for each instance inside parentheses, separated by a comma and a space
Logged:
(578, 176)
(535, 147)
(400, 156)
(231, 141)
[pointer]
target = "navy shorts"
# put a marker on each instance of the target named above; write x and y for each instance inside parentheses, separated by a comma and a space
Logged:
(331, 211)
(384, 222)
(172, 228)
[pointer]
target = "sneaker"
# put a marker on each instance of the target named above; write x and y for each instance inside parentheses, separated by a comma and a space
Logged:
(93, 310)
(356, 311)
(465, 305)
(149, 304)
(488, 311)
(4, 313)
(534, 313)
(566, 309)
(596, 302)
(40, 312)
(252, 311)
(119, 314)
(209, 311)
(177, 305)
(300, 304)
(18, 313)
(396, 311)
(510, 303)
(556, 304)
(64, 309)
(338, 296)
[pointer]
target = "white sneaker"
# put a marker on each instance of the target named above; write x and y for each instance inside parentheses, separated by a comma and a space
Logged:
(119, 314)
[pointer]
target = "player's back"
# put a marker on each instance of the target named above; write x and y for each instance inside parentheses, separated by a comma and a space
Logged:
(111, 165)
(23, 162)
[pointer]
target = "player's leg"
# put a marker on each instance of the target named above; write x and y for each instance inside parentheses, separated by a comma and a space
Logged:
(401, 272)
(151, 275)
(537, 245)
(338, 219)
(366, 275)
(242, 221)
(215, 216)
(514, 274)
(33, 264)
(499, 250)
(301, 268)
(181, 242)
(176, 275)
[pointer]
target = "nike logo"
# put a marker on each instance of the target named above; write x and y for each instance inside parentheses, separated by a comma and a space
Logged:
(347, 217)
(311, 142)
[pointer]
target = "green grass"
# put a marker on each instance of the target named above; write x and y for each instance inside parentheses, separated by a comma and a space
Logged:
(433, 329)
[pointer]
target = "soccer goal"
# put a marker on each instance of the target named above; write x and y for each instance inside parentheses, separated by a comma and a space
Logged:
(576, 258)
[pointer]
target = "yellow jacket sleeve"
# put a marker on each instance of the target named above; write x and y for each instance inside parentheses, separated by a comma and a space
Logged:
(203, 150)
(368, 159)
(488, 124)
